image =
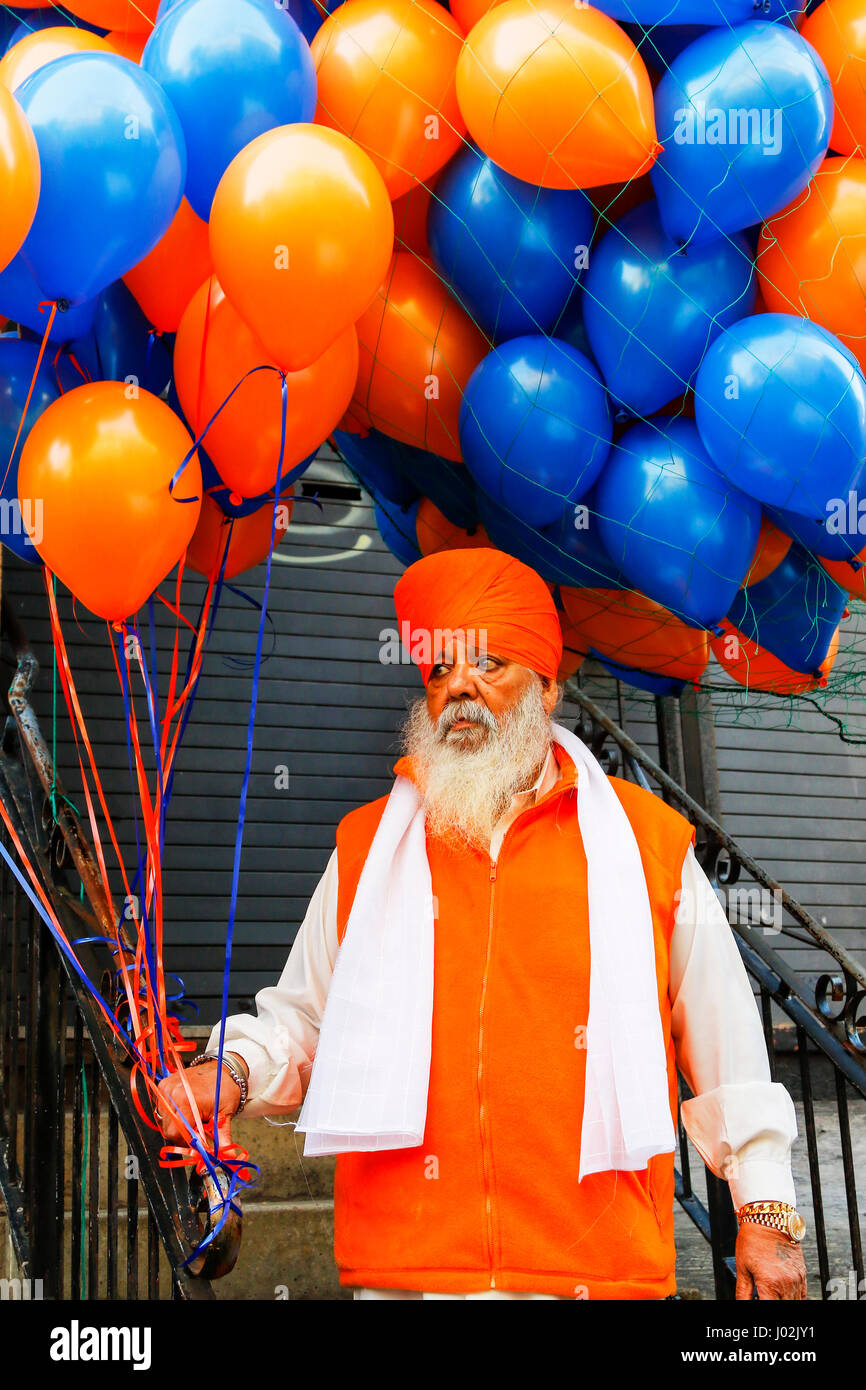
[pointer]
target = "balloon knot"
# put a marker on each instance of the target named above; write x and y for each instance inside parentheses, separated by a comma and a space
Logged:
(235, 499)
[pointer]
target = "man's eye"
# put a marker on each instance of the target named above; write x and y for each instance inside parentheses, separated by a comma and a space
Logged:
(486, 663)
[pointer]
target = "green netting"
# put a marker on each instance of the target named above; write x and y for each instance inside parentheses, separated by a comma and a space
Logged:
(417, 418)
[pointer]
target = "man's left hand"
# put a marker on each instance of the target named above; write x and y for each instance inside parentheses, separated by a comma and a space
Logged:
(770, 1262)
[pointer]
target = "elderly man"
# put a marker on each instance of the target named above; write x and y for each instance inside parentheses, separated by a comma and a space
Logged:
(497, 976)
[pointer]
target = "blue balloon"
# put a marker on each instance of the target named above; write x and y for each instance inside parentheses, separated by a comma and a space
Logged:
(577, 537)
(307, 14)
(374, 463)
(673, 524)
(652, 311)
(561, 553)
(571, 328)
(9, 22)
(54, 17)
(780, 11)
(825, 539)
(113, 170)
(232, 69)
(307, 17)
(20, 297)
(397, 529)
(535, 426)
(17, 365)
(508, 250)
(781, 407)
(400, 473)
(794, 612)
(744, 115)
(660, 44)
(678, 11)
(641, 680)
(119, 346)
(448, 485)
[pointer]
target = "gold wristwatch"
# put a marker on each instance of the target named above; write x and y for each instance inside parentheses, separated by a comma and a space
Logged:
(779, 1216)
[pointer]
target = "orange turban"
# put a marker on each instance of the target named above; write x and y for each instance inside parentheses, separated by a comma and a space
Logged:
(487, 593)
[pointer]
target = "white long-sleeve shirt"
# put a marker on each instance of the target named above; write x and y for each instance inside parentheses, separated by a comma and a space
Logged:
(742, 1123)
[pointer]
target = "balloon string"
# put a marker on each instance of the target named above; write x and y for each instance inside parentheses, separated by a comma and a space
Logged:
(239, 838)
(77, 722)
(157, 1042)
(53, 310)
(262, 367)
(236, 1164)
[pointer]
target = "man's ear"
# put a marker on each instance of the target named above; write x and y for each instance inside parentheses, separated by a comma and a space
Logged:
(549, 694)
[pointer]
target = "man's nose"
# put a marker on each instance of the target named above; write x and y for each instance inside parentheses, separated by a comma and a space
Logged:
(462, 682)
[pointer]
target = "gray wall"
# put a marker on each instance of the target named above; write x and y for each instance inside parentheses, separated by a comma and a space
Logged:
(328, 710)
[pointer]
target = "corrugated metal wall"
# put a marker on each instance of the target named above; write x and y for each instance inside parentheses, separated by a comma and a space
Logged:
(327, 715)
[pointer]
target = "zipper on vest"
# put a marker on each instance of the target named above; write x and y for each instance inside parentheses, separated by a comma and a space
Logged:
(485, 1157)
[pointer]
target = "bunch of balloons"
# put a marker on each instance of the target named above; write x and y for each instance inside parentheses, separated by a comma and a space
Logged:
(584, 282)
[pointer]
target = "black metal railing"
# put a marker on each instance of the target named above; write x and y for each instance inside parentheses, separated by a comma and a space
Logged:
(829, 1028)
(91, 1212)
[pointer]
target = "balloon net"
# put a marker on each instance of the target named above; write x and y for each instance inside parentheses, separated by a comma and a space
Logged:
(649, 390)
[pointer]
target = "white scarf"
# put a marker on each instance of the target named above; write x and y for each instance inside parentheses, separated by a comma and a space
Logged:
(368, 1088)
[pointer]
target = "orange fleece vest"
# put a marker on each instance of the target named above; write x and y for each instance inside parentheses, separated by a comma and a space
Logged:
(491, 1198)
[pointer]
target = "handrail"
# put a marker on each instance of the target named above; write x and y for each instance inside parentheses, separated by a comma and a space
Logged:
(843, 1025)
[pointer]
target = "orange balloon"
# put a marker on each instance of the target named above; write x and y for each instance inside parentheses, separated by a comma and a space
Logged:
(771, 549)
(468, 12)
(135, 16)
(435, 532)
(632, 629)
(213, 351)
(385, 74)
(418, 349)
(129, 46)
(410, 220)
(301, 232)
(165, 281)
(100, 464)
(837, 32)
(755, 667)
(248, 538)
(812, 255)
(557, 94)
(849, 574)
(19, 176)
(43, 46)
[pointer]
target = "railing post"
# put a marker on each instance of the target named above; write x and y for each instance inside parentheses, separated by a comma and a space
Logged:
(699, 750)
(723, 1235)
(47, 1133)
(687, 749)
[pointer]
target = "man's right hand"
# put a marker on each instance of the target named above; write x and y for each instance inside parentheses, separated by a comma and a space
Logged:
(202, 1083)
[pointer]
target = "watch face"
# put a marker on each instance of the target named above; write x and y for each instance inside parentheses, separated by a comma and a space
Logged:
(796, 1226)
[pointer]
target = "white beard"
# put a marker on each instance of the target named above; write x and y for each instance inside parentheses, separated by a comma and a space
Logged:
(467, 778)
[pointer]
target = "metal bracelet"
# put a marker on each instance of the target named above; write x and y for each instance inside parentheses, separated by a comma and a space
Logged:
(234, 1072)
